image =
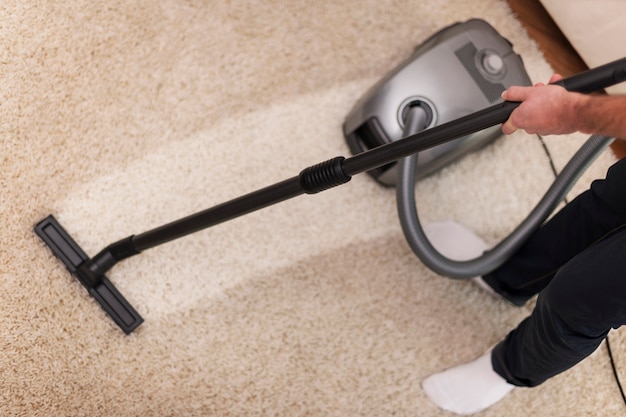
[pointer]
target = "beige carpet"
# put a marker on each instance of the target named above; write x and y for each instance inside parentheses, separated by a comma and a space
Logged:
(120, 116)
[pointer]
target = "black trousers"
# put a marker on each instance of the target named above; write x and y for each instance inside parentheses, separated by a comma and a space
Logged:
(576, 262)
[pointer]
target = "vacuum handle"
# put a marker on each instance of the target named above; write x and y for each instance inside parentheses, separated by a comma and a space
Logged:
(597, 78)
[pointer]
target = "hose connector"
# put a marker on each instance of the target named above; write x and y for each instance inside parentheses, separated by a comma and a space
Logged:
(323, 176)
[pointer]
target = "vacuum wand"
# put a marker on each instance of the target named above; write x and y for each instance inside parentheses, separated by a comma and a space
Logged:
(336, 171)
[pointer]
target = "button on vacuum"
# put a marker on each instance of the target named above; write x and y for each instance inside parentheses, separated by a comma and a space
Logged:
(492, 63)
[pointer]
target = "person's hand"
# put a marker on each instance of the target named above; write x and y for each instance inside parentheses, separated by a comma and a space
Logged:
(544, 109)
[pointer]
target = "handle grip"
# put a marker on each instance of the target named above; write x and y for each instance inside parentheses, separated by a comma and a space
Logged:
(596, 79)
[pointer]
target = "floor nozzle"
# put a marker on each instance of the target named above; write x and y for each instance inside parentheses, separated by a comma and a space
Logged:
(90, 274)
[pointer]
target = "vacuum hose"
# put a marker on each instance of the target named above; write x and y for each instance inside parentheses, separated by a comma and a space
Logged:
(492, 259)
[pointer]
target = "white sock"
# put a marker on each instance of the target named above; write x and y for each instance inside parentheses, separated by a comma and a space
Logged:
(459, 243)
(467, 389)
(455, 241)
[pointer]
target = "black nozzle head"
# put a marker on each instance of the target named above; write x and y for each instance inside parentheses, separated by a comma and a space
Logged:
(88, 273)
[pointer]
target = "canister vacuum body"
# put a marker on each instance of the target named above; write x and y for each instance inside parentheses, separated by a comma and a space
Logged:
(459, 70)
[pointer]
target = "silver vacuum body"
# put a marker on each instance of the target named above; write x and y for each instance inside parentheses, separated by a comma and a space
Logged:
(459, 70)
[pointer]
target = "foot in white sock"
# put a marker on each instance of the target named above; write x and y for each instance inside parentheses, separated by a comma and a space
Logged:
(458, 243)
(468, 388)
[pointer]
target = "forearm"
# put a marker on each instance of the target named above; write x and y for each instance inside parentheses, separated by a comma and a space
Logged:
(605, 115)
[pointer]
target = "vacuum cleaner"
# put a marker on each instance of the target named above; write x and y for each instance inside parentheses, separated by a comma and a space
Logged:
(489, 64)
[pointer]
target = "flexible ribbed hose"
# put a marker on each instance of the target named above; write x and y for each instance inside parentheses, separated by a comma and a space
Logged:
(492, 259)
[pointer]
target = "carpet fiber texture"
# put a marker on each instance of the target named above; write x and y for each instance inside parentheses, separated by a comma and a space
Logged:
(120, 116)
